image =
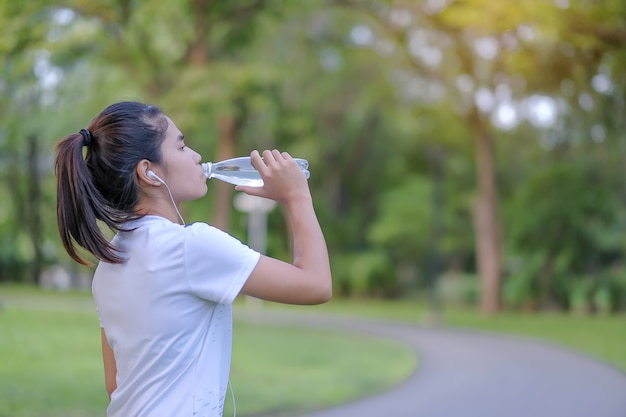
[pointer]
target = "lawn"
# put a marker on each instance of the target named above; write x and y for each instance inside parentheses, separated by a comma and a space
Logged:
(51, 362)
(50, 350)
(603, 337)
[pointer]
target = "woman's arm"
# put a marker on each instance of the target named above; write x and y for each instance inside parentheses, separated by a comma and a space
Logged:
(110, 368)
(307, 280)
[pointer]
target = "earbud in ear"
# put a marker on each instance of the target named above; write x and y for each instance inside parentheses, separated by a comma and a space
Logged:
(151, 174)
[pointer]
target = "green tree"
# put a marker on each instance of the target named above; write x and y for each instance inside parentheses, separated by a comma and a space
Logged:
(186, 56)
(484, 59)
(25, 91)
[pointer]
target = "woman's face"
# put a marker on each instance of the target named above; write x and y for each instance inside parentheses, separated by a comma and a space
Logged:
(181, 168)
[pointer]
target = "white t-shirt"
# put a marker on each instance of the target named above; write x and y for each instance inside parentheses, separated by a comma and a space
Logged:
(167, 315)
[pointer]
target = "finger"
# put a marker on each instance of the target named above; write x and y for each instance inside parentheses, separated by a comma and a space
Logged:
(268, 157)
(257, 161)
(255, 156)
(277, 155)
(248, 190)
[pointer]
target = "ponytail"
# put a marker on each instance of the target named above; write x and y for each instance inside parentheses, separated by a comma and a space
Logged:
(102, 185)
(80, 205)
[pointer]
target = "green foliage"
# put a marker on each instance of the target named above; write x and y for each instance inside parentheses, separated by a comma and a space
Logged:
(559, 220)
(563, 203)
(403, 223)
(365, 93)
(365, 274)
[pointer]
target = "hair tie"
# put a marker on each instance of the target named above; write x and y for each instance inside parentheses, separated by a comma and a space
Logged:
(86, 134)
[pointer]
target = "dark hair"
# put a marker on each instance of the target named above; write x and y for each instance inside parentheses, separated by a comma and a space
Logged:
(102, 184)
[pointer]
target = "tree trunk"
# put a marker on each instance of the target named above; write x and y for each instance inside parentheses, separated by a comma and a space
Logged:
(486, 218)
(198, 50)
(224, 191)
(33, 207)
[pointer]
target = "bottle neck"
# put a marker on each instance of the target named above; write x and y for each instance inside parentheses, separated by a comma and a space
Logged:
(208, 169)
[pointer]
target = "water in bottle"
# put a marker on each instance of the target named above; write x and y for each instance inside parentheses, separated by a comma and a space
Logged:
(240, 171)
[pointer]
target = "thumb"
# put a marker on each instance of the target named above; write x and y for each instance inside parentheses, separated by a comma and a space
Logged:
(248, 190)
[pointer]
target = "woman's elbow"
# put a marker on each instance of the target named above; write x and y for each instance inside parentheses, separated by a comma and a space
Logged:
(327, 295)
(322, 294)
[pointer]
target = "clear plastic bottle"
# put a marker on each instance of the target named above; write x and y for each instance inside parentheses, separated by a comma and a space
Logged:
(240, 171)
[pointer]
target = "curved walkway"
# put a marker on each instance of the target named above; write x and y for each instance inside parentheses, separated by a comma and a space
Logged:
(476, 374)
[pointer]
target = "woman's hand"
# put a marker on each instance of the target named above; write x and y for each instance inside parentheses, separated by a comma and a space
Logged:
(283, 179)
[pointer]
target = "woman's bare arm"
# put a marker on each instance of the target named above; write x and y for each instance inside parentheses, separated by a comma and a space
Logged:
(307, 280)
(110, 368)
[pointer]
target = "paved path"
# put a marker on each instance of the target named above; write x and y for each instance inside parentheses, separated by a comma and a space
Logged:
(474, 374)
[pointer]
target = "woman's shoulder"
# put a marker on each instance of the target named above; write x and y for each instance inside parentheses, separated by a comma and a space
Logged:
(204, 234)
(204, 230)
(200, 227)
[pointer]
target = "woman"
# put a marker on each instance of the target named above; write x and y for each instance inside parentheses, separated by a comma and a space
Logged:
(164, 290)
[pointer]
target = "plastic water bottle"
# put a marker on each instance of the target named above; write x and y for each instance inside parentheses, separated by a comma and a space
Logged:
(240, 171)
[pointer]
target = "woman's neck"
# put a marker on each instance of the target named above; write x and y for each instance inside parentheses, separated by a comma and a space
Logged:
(167, 211)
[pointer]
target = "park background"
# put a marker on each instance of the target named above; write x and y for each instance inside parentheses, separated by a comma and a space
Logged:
(467, 158)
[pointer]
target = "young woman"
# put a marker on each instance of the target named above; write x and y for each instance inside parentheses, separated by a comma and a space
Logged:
(164, 290)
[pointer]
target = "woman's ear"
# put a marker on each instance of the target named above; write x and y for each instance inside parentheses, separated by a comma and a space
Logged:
(143, 171)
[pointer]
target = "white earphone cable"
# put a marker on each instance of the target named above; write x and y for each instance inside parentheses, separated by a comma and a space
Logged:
(172, 198)
(232, 393)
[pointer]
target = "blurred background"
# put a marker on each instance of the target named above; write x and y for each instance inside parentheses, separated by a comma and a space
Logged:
(463, 154)
(475, 148)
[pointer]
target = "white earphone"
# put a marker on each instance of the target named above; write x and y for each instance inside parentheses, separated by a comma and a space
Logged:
(151, 174)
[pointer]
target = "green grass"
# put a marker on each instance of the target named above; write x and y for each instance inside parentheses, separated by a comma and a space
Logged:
(294, 368)
(51, 362)
(603, 337)
(50, 359)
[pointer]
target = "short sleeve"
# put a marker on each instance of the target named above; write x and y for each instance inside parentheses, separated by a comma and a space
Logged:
(217, 264)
